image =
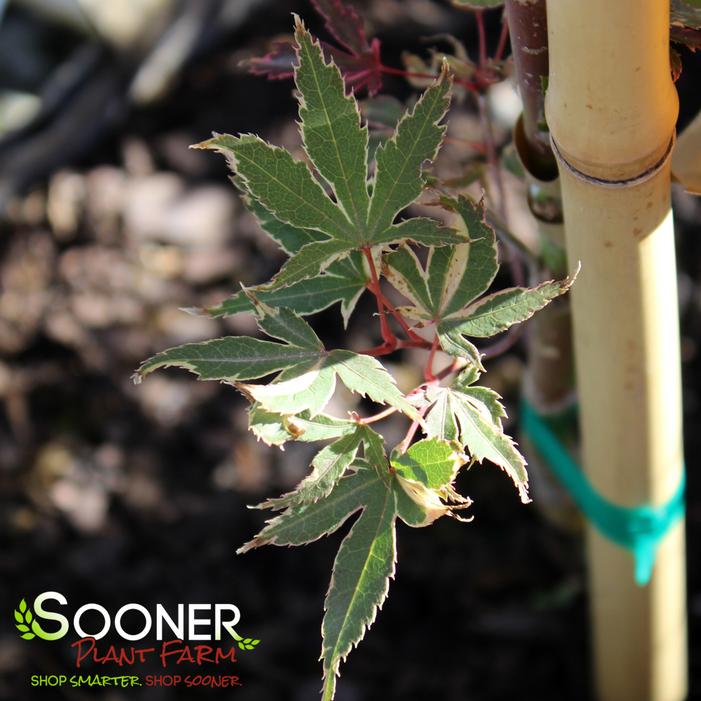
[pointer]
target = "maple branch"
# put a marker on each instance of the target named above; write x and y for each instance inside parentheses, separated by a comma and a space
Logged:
(282, 189)
(375, 417)
(528, 28)
(467, 84)
(406, 441)
(474, 145)
(457, 364)
(428, 370)
(383, 303)
(390, 340)
(482, 36)
(386, 349)
(529, 258)
(501, 46)
(499, 347)
(377, 351)
(418, 343)
(413, 336)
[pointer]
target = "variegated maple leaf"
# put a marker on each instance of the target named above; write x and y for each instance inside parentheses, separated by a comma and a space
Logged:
(361, 213)
(340, 227)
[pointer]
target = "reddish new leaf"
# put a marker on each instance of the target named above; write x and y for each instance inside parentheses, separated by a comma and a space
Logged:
(344, 24)
(357, 58)
(359, 70)
(277, 64)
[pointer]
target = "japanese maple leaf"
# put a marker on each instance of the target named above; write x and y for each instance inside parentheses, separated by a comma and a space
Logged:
(358, 58)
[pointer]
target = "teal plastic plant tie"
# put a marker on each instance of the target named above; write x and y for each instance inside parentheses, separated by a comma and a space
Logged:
(639, 529)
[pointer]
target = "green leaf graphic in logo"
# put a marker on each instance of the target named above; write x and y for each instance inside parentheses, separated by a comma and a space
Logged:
(23, 618)
(245, 643)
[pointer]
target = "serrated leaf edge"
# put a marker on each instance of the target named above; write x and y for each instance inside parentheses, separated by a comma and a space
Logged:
(333, 668)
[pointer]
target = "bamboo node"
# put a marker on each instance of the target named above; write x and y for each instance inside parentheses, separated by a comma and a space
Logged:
(615, 184)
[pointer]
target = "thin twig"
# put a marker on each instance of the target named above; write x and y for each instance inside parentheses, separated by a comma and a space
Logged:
(404, 445)
(387, 348)
(383, 303)
(389, 70)
(504, 234)
(428, 370)
(482, 37)
(457, 364)
(501, 46)
(376, 417)
(505, 343)
(400, 319)
(477, 146)
(387, 336)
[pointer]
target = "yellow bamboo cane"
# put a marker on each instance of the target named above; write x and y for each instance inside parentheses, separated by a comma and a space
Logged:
(611, 108)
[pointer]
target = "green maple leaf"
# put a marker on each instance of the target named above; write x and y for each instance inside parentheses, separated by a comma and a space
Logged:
(307, 371)
(308, 387)
(365, 561)
(411, 486)
(337, 146)
(289, 238)
(423, 481)
(432, 462)
(343, 281)
(363, 567)
(277, 429)
(328, 467)
(332, 462)
(447, 290)
(300, 524)
(235, 358)
(336, 222)
(472, 417)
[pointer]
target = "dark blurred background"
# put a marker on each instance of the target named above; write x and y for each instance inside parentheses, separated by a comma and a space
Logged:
(115, 493)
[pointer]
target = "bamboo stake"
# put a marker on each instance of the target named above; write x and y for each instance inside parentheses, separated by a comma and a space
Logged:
(611, 108)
